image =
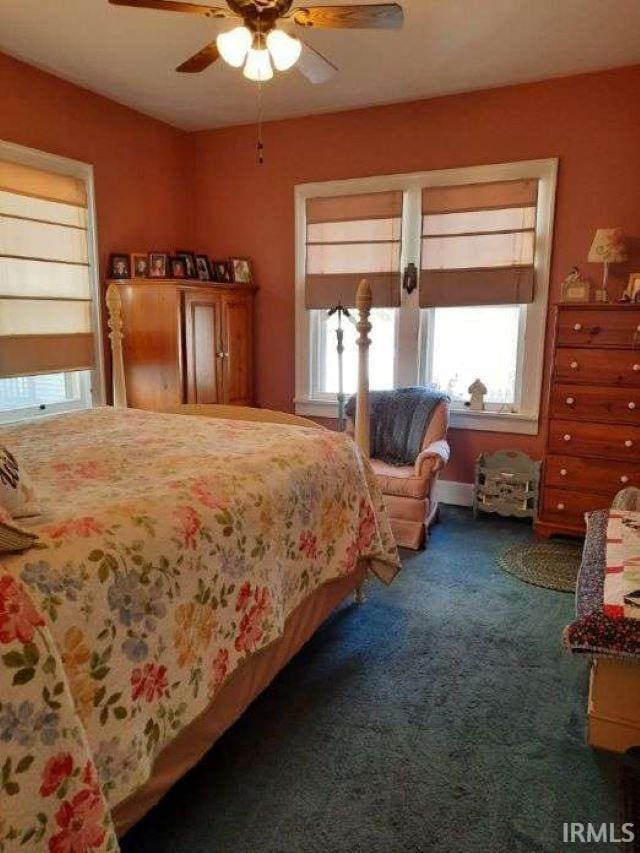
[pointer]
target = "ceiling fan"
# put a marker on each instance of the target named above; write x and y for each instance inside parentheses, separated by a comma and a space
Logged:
(259, 45)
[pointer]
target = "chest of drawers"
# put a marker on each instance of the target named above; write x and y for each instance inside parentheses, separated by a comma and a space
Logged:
(593, 439)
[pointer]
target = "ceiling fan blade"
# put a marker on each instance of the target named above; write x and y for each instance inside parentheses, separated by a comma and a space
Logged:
(384, 16)
(314, 66)
(175, 6)
(200, 60)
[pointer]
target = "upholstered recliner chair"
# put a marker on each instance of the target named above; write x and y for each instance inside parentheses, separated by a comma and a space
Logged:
(409, 489)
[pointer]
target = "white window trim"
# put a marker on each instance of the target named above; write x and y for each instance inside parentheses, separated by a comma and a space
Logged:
(412, 370)
(29, 413)
(77, 169)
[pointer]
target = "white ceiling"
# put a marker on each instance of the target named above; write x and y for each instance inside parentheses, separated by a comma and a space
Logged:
(446, 46)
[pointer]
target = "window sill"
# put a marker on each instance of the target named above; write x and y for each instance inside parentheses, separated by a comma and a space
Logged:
(460, 419)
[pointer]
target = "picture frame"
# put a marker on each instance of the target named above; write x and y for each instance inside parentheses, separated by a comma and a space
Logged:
(158, 265)
(632, 292)
(576, 289)
(139, 265)
(189, 261)
(203, 268)
(221, 272)
(241, 272)
(178, 265)
(119, 266)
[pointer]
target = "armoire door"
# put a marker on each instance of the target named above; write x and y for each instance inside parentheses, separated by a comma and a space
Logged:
(203, 354)
(237, 344)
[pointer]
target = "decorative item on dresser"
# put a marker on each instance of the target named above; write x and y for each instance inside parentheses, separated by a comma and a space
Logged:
(608, 247)
(184, 342)
(593, 441)
(575, 288)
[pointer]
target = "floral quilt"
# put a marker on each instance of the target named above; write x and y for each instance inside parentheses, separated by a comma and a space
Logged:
(170, 548)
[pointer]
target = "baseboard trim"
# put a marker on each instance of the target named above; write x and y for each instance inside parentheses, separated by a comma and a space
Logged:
(458, 494)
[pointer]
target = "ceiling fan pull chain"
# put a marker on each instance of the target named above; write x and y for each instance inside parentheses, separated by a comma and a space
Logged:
(260, 145)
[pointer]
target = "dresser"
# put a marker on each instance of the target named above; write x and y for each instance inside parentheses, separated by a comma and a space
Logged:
(185, 342)
(593, 440)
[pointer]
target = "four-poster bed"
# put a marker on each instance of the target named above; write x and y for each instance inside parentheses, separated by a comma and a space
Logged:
(182, 561)
(364, 301)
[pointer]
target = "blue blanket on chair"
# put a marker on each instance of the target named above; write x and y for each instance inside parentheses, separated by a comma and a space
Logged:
(398, 422)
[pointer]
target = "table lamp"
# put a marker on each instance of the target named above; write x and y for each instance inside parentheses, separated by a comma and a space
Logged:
(608, 247)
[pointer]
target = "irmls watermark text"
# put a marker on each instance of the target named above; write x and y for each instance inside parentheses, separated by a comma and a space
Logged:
(598, 833)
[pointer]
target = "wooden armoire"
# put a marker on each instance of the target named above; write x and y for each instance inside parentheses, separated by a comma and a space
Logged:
(187, 342)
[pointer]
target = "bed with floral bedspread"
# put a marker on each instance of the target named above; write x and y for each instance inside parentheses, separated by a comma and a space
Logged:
(171, 548)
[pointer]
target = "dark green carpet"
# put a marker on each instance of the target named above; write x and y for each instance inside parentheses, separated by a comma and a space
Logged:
(442, 715)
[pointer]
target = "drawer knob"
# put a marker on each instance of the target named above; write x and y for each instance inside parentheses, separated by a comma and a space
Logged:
(571, 401)
(632, 405)
(624, 479)
(574, 365)
(628, 443)
(578, 327)
(636, 368)
(560, 507)
(563, 472)
(567, 437)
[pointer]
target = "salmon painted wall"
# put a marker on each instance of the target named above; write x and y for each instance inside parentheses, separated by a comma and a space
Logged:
(141, 183)
(591, 122)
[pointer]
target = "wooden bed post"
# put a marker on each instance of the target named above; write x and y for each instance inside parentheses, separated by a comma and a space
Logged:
(363, 304)
(362, 432)
(114, 309)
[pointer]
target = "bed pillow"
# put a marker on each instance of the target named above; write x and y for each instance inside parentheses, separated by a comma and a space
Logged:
(17, 495)
(12, 537)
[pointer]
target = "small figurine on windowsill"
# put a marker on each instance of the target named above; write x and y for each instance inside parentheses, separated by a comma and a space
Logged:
(477, 390)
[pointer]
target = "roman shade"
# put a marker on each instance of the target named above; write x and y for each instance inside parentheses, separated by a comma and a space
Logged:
(478, 244)
(350, 238)
(45, 287)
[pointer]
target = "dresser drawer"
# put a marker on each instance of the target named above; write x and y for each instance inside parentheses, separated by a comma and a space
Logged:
(613, 367)
(592, 475)
(566, 507)
(607, 441)
(584, 327)
(592, 402)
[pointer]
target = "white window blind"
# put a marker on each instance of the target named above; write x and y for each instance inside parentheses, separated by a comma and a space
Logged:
(349, 238)
(478, 244)
(45, 288)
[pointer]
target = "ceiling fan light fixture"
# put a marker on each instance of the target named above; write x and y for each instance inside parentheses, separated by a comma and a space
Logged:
(284, 49)
(258, 65)
(234, 45)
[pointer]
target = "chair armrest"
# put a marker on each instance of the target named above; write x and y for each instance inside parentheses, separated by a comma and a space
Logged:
(434, 457)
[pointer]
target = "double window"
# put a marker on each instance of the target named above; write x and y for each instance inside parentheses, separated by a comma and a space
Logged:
(49, 327)
(479, 240)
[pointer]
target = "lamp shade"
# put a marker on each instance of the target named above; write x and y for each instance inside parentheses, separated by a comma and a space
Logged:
(608, 247)
(234, 45)
(285, 51)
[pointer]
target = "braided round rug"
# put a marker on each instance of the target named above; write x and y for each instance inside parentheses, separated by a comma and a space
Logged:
(553, 565)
